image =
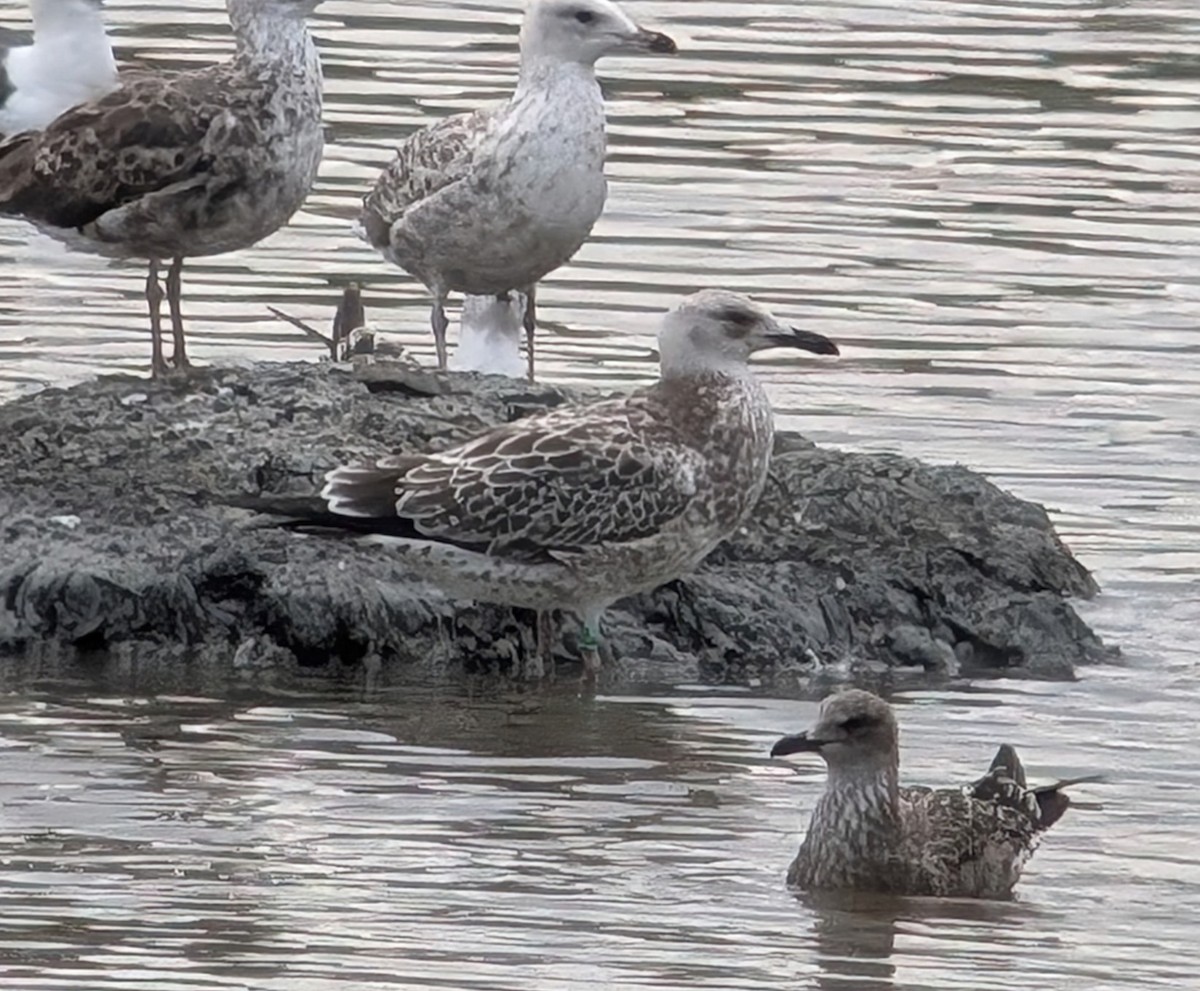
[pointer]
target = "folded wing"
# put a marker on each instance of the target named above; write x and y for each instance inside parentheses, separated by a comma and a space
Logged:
(428, 161)
(542, 486)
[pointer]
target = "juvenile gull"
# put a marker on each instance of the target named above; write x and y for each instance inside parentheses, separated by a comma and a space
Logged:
(69, 61)
(487, 202)
(583, 505)
(181, 165)
(869, 834)
(489, 337)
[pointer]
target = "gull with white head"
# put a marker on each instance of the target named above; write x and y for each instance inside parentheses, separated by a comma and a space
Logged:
(583, 505)
(170, 166)
(492, 201)
(867, 833)
(69, 61)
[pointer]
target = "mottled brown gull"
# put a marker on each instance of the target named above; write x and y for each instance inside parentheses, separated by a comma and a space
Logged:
(495, 200)
(68, 61)
(867, 833)
(583, 505)
(181, 165)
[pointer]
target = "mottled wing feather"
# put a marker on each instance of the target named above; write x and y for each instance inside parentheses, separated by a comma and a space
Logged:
(550, 483)
(964, 845)
(151, 133)
(428, 161)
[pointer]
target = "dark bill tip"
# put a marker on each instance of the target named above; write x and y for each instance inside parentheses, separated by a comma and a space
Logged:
(805, 340)
(658, 43)
(797, 743)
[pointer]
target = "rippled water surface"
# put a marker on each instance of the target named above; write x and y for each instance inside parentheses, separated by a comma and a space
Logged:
(993, 206)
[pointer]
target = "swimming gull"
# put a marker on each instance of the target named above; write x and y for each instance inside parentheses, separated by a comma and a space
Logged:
(489, 338)
(181, 165)
(487, 202)
(69, 61)
(869, 834)
(583, 505)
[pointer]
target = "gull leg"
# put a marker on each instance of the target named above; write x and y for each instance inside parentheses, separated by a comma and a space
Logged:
(530, 322)
(154, 298)
(440, 323)
(545, 643)
(589, 644)
(174, 290)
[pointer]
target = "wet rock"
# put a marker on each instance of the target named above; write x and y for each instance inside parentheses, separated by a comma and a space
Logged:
(115, 530)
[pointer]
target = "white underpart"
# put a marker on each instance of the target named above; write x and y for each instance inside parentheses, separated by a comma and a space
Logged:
(490, 335)
(70, 62)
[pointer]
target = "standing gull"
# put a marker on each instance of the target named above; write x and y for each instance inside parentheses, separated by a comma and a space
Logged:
(869, 834)
(583, 505)
(495, 200)
(70, 61)
(181, 165)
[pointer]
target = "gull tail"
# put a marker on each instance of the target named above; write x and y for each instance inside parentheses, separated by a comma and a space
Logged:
(1005, 785)
(309, 514)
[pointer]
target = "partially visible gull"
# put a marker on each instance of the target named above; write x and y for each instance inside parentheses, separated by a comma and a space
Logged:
(69, 61)
(181, 165)
(495, 200)
(583, 505)
(489, 337)
(869, 834)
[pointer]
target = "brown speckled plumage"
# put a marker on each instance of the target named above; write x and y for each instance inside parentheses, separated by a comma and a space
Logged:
(867, 833)
(581, 506)
(489, 202)
(172, 166)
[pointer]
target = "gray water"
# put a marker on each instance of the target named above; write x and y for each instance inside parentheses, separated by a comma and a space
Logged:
(993, 207)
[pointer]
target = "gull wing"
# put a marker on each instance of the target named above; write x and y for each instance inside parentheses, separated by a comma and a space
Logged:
(152, 133)
(428, 161)
(542, 486)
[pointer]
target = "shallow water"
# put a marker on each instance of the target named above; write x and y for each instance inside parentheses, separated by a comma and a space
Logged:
(993, 206)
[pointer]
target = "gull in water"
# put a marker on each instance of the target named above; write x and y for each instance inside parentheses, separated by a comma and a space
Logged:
(70, 61)
(583, 505)
(868, 833)
(490, 335)
(181, 165)
(487, 202)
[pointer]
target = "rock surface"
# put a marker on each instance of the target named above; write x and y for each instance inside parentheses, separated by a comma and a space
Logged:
(115, 536)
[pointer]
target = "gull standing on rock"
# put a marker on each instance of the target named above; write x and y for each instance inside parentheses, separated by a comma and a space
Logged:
(583, 505)
(181, 165)
(869, 834)
(69, 62)
(493, 201)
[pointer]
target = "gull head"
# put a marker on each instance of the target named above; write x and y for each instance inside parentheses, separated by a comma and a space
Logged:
(583, 31)
(717, 329)
(854, 730)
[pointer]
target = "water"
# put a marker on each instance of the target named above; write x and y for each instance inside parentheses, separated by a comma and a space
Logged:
(993, 207)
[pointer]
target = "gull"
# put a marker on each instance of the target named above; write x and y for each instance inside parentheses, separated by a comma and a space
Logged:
(580, 506)
(868, 833)
(492, 201)
(489, 339)
(69, 61)
(181, 165)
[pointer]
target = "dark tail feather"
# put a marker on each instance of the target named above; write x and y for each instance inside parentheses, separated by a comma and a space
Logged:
(1053, 801)
(1009, 764)
(1005, 784)
(309, 514)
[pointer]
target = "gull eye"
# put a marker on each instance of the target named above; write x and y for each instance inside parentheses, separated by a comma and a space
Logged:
(584, 16)
(855, 723)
